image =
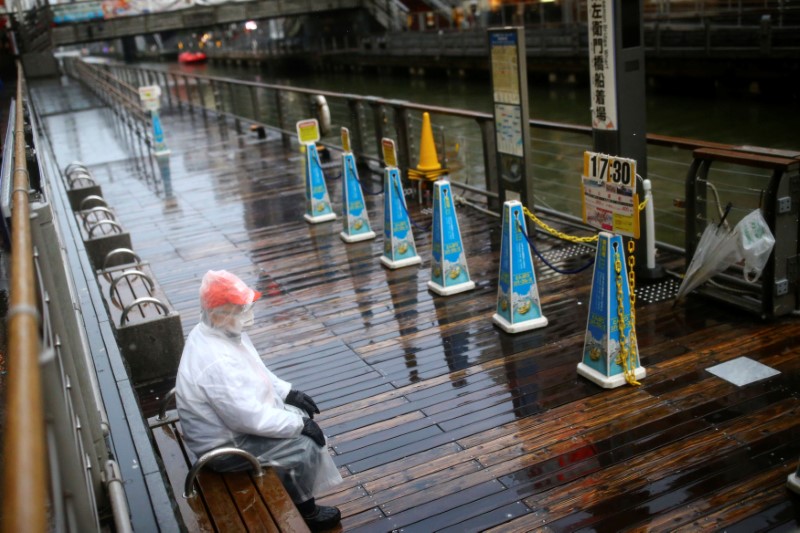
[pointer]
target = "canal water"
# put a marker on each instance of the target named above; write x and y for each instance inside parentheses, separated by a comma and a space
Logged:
(557, 156)
(721, 118)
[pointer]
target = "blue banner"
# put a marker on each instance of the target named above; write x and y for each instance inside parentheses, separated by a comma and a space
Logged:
(158, 134)
(517, 293)
(602, 343)
(318, 203)
(398, 244)
(355, 219)
(449, 262)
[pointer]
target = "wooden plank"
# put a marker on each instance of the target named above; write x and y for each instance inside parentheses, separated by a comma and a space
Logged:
(283, 511)
(193, 512)
(251, 507)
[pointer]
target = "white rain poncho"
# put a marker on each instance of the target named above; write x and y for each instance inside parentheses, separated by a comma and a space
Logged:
(227, 396)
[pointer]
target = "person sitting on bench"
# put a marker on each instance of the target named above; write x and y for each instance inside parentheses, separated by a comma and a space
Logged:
(226, 396)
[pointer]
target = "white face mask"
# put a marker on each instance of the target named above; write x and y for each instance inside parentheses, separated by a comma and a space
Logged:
(247, 319)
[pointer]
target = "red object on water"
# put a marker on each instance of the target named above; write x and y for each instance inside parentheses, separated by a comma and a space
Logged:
(192, 57)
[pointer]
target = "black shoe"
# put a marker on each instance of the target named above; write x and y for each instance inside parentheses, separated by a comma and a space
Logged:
(323, 518)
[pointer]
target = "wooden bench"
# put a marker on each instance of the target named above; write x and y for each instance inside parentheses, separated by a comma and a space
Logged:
(229, 502)
(147, 328)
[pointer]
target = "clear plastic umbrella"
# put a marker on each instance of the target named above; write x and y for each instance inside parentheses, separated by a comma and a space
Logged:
(716, 251)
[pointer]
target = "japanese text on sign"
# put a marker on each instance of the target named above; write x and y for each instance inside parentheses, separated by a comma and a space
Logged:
(610, 202)
(505, 67)
(601, 65)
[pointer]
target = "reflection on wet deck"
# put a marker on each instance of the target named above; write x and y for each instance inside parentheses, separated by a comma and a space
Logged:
(439, 420)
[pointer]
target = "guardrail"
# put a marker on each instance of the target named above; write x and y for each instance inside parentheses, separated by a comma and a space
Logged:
(464, 139)
(60, 469)
(24, 485)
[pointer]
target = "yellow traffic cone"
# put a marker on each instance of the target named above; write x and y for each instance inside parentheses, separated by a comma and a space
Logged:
(428, 159)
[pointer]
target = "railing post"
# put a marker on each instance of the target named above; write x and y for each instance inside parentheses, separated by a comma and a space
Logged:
(178, 101)
(378, 120)
(254, 104)
(188, 94)
(488, 142)
(235, 112)
(285, 138)
(165, 81)
(356, 134)
(401, 129)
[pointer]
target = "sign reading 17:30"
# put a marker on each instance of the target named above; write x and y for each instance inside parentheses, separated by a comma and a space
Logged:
(608, 187)
(617, 170)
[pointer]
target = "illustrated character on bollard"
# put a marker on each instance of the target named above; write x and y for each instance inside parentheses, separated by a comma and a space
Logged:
(226, 396)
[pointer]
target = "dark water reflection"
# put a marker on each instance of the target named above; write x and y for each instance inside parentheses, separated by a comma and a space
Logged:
(724, 118)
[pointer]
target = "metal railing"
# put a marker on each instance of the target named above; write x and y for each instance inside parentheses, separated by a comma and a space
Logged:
(59, 473)
(464, 139)
(25, 457)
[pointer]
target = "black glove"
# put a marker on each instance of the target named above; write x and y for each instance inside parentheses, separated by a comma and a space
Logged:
(313, 432)
(303, 401)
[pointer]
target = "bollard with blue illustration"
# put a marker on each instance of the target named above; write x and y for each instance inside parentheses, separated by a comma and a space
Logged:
(159, 143)
(518, 305)
(150, 96)
(399, 249)
(610, 357)
(355, 219)
(318, 203)
(449, 272)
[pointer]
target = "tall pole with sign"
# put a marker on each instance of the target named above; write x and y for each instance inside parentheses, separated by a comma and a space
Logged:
(616, 67)
(511, 115)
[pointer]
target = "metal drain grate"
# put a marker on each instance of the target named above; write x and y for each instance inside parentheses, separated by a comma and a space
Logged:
(657, 292)
(568, 252)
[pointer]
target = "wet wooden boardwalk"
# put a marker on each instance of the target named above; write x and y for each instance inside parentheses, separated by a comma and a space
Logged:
(438, 420)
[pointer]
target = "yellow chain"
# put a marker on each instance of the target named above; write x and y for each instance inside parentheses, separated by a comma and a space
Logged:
(554, 232)
(626, 358)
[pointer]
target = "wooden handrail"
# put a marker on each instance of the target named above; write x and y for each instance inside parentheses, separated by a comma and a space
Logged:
(25, 460)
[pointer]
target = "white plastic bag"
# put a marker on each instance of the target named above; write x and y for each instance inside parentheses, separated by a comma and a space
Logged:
(755, 243)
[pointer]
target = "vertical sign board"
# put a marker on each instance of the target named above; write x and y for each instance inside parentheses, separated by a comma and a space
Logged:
(602, 72)
(616, 67)
(616, 74)
(510, 97)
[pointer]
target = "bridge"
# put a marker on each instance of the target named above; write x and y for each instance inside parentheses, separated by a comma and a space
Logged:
(749, 41)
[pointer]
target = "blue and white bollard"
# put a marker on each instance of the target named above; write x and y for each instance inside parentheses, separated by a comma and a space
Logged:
(449, 272)
(399, 249)
(355, 219)
(610, 359)
(318, 203)
(518, 305)
(159, 143)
